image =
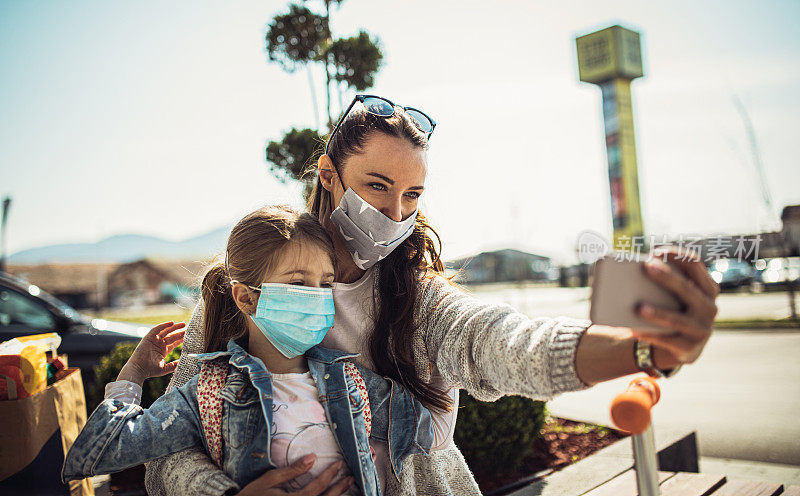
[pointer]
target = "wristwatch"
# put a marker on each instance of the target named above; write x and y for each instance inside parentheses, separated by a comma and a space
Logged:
(643, 355)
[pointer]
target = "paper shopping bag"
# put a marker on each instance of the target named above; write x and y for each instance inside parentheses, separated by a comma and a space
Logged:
(35, 434)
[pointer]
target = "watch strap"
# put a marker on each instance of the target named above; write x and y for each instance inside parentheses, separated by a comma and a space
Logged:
(643, 356)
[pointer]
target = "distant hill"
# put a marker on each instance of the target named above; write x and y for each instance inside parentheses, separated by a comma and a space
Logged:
(127, 247)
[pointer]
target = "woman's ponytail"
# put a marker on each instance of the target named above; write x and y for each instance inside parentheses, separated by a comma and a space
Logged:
(222, 319)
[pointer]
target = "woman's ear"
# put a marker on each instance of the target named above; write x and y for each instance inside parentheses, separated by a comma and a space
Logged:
(244, 298)
(327, 174)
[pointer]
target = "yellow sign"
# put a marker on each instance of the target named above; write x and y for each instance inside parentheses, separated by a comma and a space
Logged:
(610, 53)
(623, 177)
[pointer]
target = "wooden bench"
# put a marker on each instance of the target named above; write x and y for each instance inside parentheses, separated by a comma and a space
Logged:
(688, 484)
(609, 472)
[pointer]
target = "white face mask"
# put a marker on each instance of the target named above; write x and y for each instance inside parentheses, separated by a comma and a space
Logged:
(368, 235)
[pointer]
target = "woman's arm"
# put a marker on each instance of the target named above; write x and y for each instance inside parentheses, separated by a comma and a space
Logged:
(492, 350)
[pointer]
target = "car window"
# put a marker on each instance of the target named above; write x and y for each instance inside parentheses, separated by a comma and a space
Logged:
(18, 310)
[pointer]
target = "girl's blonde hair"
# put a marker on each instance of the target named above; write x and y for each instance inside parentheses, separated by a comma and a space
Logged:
(253, 248)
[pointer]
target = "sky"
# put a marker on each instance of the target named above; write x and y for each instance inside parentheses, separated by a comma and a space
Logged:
(152, 117)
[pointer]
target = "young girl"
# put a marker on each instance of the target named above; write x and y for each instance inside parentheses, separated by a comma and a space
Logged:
(266, 394)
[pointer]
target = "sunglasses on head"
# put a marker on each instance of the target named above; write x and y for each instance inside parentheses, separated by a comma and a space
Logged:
(382, 107)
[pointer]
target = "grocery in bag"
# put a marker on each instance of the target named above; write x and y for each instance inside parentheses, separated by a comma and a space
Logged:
(24, 364)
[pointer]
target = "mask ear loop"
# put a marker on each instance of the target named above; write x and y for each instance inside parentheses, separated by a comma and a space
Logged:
(339, 176)
(233, 282)
(228, 270)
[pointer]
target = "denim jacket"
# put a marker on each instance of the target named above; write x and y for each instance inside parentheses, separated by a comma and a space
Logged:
(119, 435)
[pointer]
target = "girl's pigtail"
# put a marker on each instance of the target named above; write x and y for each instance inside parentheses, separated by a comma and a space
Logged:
(222, 320)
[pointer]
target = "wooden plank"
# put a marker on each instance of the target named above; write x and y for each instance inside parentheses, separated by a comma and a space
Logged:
(624, 485)
(602, 466)
(749, 488)
(685, 484)
(791, 491)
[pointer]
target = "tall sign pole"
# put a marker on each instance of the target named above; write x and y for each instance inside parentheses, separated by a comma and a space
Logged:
(3, 219)
(611, 58)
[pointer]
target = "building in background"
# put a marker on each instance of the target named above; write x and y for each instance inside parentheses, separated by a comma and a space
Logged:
(99, 285)
(79, 285)
(790, 217)
(750, 247)
(150, 282)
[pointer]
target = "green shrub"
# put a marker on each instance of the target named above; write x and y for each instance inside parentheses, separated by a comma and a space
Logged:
(109, 368)
(496, 437)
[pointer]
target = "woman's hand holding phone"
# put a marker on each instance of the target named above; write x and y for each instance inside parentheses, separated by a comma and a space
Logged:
(684, 275)
(148, 358)
(668, 301)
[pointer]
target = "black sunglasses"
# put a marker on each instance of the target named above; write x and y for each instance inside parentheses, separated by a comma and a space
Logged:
(382, 107)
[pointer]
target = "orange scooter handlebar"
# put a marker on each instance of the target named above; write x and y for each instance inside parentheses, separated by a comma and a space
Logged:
(630, 410)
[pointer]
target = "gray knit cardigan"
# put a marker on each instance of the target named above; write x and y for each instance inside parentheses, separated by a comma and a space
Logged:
(490, 350)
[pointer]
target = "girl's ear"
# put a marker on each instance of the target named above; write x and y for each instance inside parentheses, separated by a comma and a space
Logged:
(327, 174)
(245, 298)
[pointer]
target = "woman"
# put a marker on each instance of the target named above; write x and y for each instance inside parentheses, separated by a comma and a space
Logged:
(408, 322)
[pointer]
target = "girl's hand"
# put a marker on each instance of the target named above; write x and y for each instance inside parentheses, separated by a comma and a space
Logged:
(148, 358)
(683, 274)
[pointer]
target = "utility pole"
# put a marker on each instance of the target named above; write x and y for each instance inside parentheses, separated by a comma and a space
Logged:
(765, 195)
(4, 254)
(751, 137)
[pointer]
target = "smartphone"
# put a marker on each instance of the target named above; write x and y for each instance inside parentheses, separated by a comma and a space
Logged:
(619, 284)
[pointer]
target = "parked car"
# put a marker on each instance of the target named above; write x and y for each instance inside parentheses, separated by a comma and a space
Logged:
(731, 273)
(778, 271)
(25, 309)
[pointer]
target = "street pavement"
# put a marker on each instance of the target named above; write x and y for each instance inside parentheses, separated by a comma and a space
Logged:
(742, 396)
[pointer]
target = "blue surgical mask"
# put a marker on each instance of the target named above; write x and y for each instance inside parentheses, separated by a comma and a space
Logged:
(294, 318)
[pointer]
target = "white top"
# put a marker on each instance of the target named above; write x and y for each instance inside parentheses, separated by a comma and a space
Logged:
(299, 427)
(125, 391)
